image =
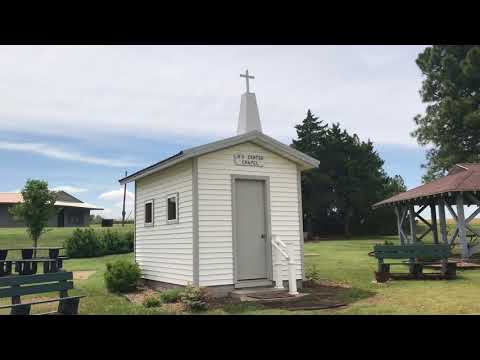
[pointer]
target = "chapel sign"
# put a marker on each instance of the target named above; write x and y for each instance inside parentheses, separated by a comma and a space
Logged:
(248, 159)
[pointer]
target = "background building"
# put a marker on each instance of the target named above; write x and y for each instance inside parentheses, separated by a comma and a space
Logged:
(72, 212)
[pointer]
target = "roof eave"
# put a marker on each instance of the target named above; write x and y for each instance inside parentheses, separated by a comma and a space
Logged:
(154, 169)
(306, 162)
(388, 202)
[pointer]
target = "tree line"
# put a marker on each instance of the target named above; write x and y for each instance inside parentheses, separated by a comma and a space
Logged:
(337, 196)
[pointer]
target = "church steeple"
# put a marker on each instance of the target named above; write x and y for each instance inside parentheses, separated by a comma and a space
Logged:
(249, 119)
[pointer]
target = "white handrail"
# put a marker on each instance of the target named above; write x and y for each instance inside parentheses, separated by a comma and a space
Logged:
(281, 250)
(284, 250)
(277, 239)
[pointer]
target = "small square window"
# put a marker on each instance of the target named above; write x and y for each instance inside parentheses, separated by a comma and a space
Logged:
(149, 213)
(172, 208)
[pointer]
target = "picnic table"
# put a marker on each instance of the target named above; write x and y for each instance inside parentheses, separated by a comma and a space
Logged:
(28, 264)
(417, 255)
(27, 252)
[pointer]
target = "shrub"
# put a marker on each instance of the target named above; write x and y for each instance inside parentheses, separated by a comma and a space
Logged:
(388, 242)
(171, 295)
(88, 243)
(83, 243)
(122, 276)
(109, 240)
(129, 239)
(114, 242)
(194, 298)
(151, 301)
(312, 273)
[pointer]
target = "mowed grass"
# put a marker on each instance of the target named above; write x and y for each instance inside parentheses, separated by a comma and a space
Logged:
(342, 261)
(98, 301)
(347, 262)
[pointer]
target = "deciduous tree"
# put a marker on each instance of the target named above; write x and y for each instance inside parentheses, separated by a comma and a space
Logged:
(35, 210)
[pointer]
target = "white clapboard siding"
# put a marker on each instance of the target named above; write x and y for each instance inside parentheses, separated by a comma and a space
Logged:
(215, 209)
(164, 251)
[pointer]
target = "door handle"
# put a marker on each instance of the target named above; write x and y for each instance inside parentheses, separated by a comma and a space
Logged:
(262, 236)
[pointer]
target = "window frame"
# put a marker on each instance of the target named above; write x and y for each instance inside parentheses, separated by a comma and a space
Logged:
(176, 220)
(145, 223)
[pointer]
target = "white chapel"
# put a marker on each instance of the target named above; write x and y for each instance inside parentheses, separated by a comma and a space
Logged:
(224, 215)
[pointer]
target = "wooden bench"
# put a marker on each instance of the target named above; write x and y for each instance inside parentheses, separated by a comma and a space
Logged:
(417, 256)
(21, 285)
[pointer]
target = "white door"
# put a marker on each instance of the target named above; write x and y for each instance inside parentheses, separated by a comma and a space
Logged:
(251, 233)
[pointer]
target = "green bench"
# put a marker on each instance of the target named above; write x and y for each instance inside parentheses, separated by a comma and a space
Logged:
(417, 256)
(20, 285)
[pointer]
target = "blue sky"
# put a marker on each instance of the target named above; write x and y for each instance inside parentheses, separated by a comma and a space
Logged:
(79, 116)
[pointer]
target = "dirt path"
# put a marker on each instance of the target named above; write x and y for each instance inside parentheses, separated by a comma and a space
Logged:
(82, 275)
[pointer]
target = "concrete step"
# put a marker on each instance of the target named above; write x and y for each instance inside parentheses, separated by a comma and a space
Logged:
(255, 290)
(260, 294)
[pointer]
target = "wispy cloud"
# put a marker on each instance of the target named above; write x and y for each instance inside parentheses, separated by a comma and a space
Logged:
(62, 154)
(116, 196)
(70, 189)
(114, 200)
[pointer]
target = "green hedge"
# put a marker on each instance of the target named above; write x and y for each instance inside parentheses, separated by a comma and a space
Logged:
(90, 243)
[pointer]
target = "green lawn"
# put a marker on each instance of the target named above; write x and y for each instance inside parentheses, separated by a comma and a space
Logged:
(346, 261)
(342, 261)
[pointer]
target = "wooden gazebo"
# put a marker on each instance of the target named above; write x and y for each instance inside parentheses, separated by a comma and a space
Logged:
(461, 187)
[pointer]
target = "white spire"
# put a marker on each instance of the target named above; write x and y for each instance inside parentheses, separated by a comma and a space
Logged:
(249, 118)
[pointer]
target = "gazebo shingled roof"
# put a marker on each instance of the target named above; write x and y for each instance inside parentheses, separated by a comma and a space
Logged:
(462, 177)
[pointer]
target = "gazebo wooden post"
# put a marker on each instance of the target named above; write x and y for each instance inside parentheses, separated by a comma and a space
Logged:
(443, 220)
(462, 226)
(413, 228)
(398, 212)
(433, 222)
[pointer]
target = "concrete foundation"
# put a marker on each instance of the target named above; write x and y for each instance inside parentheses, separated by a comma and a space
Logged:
(215, 291)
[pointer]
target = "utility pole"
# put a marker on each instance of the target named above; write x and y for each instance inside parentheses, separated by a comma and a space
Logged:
(124, 195)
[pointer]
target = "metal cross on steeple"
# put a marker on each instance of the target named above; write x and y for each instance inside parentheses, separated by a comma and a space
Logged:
(246, 76)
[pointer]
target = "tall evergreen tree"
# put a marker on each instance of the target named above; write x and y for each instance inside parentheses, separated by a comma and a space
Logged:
(337, 196)
(311, 135)
(451, 123)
